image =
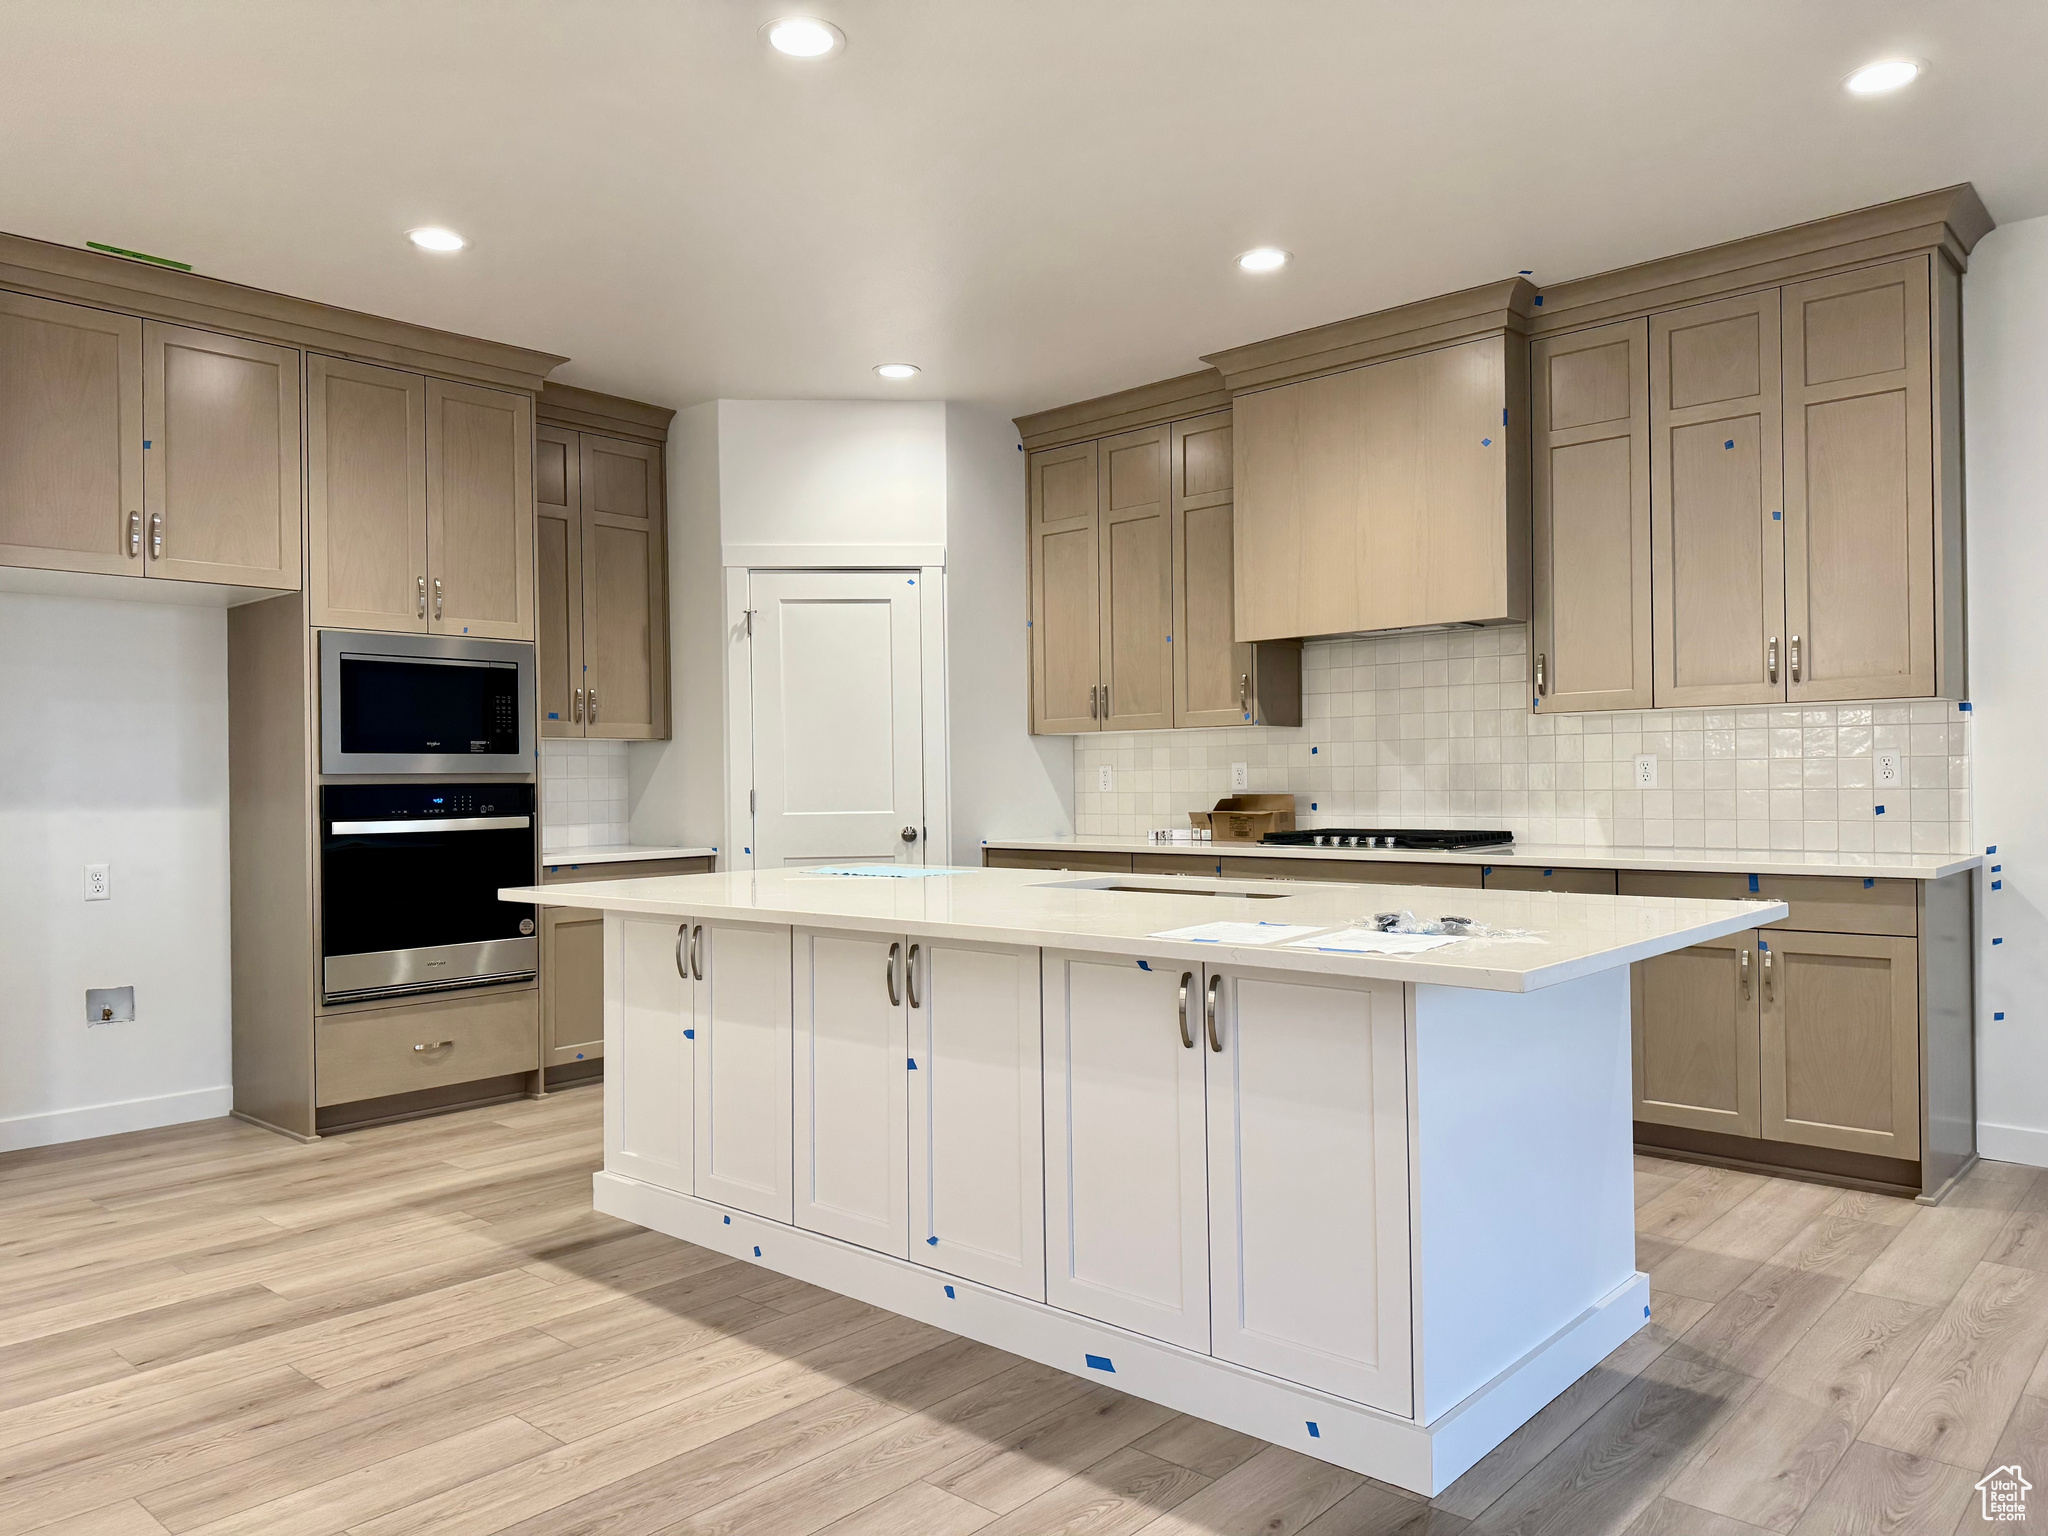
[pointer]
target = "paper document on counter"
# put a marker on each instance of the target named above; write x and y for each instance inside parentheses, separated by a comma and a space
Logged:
(884, 871)
(1236, 933)
(1370, 941)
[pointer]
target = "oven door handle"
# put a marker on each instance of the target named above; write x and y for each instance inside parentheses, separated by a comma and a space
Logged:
(451, 824)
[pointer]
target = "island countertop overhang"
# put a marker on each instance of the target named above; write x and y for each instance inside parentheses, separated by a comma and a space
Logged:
(1574, 935)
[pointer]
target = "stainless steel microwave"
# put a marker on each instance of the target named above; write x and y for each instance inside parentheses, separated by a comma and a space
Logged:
(425, 704)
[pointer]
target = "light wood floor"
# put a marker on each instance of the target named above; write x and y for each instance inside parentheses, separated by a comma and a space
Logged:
(424, 1328)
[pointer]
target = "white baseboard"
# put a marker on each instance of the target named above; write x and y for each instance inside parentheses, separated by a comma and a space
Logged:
(1422, 1458)
(88, 1121)
(2012, 1144)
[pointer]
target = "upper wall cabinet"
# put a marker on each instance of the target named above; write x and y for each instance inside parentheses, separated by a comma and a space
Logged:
(1385, 496)
(1590, 471)
(602, 587)
(420, 497)
(132, 447)
(1132, 580)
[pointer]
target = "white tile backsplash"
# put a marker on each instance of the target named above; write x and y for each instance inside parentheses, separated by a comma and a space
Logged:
(1433, 730)
(582, 794)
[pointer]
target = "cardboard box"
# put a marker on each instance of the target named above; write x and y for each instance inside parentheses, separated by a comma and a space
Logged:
(1246, 818)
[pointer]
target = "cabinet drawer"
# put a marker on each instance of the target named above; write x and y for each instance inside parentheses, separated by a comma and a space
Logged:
(566, 873)
(1032, 858)
(1174, 863)
(1819, 903)
(1530, 877)
(1354, 871)
(370, 1055)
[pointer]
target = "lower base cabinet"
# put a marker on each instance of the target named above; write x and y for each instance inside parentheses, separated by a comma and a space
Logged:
(852, 1123)
(650, 1085)
(572, 957)
(740, 1016)
(1697, 1036)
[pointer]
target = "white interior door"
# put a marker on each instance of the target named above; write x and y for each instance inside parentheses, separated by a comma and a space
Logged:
(852, 1171)
(838, 750)
(1126, 1196)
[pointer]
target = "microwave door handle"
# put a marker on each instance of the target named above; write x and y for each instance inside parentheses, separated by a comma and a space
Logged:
(449, 824)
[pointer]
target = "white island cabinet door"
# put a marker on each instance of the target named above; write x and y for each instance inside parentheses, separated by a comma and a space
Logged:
(742, 1019)
(1308, 1183)
(1126, 1208)
(852, 1172)
(650, 1095)
(977, 1130)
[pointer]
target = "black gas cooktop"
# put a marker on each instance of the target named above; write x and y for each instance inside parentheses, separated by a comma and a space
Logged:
(1401, 839)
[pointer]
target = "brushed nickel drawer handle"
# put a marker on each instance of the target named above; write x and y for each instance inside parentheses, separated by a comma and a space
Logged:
(1744, 952)
(1187, 1040)
(1209, 1012)
(1795, 658)
(1773, 658)
(682, 932)
(156, 535)
(593, 706)
(436, 1045)
(134, 534)
(895, 957)
(437, 599)
(910, 977)
(697, 952)
(423, 597)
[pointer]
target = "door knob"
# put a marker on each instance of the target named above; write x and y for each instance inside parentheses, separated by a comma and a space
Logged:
(910, 834)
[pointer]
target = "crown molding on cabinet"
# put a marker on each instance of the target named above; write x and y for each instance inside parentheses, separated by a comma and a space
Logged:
(1439, 322)
(586, 410)
(1149, 405)
(1951, 220)
(55, 271)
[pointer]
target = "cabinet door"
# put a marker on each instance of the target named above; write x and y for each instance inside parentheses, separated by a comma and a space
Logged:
(852, 1169)
(1308, 1183)
(221, 476)
(1841, 1042)
(1695, 1025)
(479, 511)
(1126, 1199)
(1212, 670)
(70, 437)
(650, 1058)
(572, 988)
(742, 1020)
(366, 495)
(558, 580)
(1591, 459)
(625, 590)
(1136, 571)
(1066, 637)
(1859, 485)
(1716, 539)
(977, 1129)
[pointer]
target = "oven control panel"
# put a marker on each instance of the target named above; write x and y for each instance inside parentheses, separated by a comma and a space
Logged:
(423, 802)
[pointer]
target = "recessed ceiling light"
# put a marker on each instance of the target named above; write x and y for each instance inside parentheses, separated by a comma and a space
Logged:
(804, 37)
(434, 238)
(1884, 75)
(1264, 258)
(897, 370)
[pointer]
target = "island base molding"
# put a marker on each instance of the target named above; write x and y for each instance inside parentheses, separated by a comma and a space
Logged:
(1424, 1458)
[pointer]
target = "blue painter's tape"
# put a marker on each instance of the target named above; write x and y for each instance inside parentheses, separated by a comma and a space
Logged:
(1311, 805)
(1998, 941)
(1964, 706)
(1729, 444)
(1313, 1432)
(1503, 415)
(1486, 442)
(931, 1242)
(1777, 517)
(913, 1063)
(1998, 1015)
(1312, 751)
(1169, 639)
(1752, 885)
(1996, 868)
(1868, 883)
(1539, 301)
(145, 442)
(757, 1250)
(553, 716)
(746, 850)
(1880, 810)
(1762, 944)
(911, 583)
(1485, 870)
(1998, 885)
(1548, 873)
(1526, 272)
(1992, 849)
(949, 1294)
(728, 1221)
(1144, 965)
(1099, 1363)
(689, 1034)
(1646, 1311)
(579, 1055)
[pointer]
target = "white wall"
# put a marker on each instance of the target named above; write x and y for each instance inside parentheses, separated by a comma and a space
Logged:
(832, 473)
(1005, 781)
(115, 751)
(2005, 355)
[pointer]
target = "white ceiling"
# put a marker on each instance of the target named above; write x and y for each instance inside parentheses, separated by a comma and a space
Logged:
(1037, 200)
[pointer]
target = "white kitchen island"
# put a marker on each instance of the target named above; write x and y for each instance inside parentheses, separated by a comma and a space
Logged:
(1375, 1208)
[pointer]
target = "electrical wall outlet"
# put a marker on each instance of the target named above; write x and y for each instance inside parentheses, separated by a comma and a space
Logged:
(109, 1005)
(1646, 770)
(1105, 778)
(1885, 771)
(98, 887)
(1240, 776)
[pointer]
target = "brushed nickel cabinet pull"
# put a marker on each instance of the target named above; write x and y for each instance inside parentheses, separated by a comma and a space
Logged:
(1187, 1040)
(1770, 987)
(437, 597)
(423, 597)
(435, 1045)
(1773, 658)
(1209, 1013)
(576, 710)
(134, 535)
(910, 976)
(593, 706)
(895, 958)
(682, 932)
(1542, 670)
(1244, 693)
(697, 953)
(1745, 971)
(1092, 695)
(1795, 658)
(156, 535)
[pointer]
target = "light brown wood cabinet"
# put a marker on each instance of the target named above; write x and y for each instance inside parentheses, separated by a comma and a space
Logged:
(1590, 474)
(1698, 1049)
(1384, 496)
(132, 447)
(1841, 1042)
(602, 580)
(1133, 564)
(420, 502)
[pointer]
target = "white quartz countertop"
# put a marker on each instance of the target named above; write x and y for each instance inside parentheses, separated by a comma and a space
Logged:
(1729, 861)
(1572, 936)
(620, 853)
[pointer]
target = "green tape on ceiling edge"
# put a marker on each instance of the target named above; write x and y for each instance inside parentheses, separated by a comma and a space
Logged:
(155, 261)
